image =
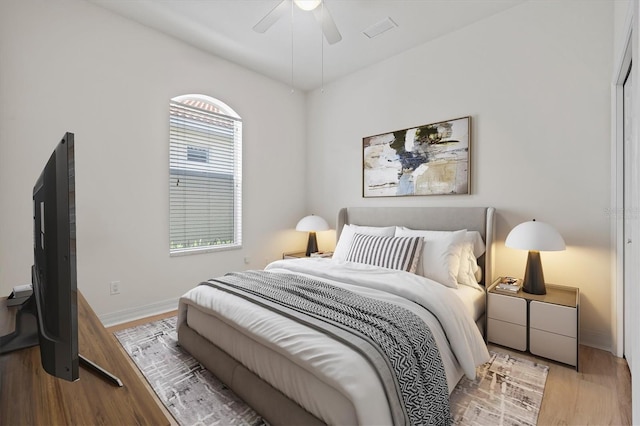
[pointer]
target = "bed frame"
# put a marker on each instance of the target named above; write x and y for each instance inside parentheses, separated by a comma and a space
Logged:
(275, 407)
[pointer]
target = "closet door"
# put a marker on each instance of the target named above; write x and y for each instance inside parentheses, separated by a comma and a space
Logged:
(630, 212)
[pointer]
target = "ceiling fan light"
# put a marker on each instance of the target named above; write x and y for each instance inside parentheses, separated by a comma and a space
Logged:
(307, 4)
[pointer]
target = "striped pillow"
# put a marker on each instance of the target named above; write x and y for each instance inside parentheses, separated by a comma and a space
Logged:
(400, 253)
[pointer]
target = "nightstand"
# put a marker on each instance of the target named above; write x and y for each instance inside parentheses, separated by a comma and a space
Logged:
(295, 255)
(302, 254)
(545, 325)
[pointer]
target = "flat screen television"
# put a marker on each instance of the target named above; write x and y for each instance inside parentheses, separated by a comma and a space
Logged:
(49, 317)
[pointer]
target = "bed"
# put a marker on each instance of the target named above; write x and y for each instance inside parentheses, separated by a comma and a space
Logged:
(293, 373)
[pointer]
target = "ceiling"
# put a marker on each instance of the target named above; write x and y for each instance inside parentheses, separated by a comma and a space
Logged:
(293, 50)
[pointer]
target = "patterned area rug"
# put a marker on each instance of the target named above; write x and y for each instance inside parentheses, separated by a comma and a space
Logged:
(507, 390)
(191, 393)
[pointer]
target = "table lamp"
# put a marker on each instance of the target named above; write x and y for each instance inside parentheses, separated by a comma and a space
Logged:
(312, 224)
(535, 237)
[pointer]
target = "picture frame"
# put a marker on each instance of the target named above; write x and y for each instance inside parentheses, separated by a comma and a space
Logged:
(432, 159)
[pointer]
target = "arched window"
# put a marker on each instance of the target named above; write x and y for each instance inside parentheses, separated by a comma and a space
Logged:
(205, 175)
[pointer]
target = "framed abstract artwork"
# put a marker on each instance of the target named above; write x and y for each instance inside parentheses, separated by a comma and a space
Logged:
(432, 159)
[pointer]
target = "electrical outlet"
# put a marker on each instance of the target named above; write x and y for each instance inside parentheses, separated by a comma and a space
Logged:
(114, 288)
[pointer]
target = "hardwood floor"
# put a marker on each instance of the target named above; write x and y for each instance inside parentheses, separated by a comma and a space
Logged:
(599, 394)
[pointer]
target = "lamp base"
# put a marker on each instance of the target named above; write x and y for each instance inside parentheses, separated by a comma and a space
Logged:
(533, 282)
(312, 244)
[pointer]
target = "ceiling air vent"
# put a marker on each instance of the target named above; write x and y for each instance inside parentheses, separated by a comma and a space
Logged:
(379, 28)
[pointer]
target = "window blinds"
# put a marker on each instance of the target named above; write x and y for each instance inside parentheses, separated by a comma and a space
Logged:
(205, 179)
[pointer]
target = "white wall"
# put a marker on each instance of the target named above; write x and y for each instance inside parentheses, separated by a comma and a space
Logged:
(69, 65)
(536, 81)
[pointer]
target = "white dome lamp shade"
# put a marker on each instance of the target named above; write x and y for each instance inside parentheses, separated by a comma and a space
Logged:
(535, 237)
(307, 5)
(311, 224)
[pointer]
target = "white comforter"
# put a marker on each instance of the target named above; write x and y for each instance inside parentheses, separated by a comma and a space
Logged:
(326, 370)
(463, 335)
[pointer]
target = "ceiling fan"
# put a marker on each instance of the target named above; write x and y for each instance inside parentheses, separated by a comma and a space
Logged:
(320, 12)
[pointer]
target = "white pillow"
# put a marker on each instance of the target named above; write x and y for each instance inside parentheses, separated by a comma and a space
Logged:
(400, 253)
(472, 247)
(467, 275)
(348, 231)
(475, 238)
(441, 250)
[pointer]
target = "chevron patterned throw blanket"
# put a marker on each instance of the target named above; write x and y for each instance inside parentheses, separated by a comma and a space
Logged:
(397, 343)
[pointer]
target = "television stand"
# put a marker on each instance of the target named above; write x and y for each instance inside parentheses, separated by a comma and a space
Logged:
(87, 363)
(28, 396)
(26, 335)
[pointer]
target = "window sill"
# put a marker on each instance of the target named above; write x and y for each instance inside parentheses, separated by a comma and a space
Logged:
(202, 250)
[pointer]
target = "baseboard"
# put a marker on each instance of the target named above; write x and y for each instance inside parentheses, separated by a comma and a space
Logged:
(133, 314)
(595, 339)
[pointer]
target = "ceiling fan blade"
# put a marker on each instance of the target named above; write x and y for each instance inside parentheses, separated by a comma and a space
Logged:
(272, 17)
(329, 28)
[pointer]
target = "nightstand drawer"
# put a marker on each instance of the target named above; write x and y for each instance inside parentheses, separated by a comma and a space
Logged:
(507, 334)
(508, 308)
(553, 346)
(553, 318)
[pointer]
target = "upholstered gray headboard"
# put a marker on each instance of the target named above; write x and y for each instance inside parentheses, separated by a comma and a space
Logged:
(479, 219)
